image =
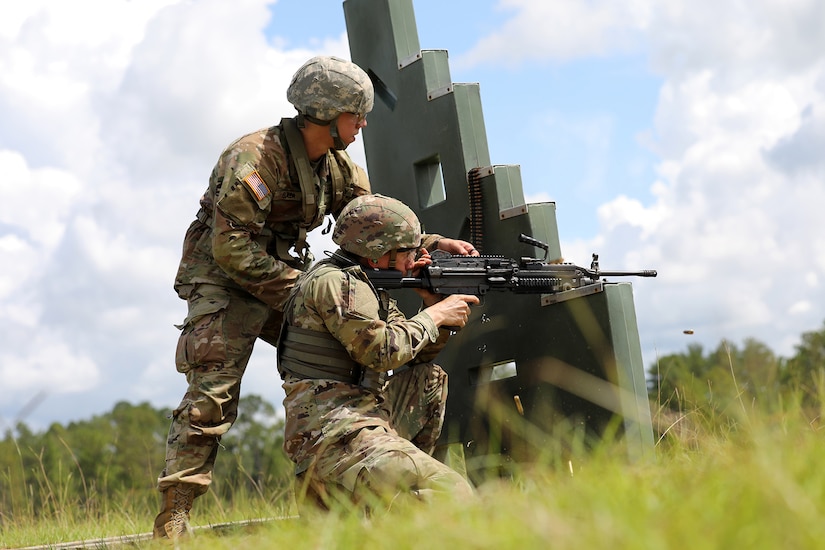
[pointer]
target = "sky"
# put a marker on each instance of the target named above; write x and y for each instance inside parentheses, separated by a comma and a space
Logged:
(685, 136)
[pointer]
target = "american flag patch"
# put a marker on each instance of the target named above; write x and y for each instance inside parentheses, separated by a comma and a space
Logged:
(256, 184)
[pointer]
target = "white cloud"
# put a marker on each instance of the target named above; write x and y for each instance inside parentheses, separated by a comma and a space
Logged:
(626, 211)
(25, 189)
(752, 40)
(739, 130)
(42, 361)
(20, 261)
(561, 30)
(109, 134)
(56, 68)
(800, 307)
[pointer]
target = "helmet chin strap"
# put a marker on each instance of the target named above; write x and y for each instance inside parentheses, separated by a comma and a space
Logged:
(337, 142)
(336, 139)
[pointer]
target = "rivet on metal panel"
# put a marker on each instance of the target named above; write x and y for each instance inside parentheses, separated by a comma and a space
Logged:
(434, 94)
(409, 60)
(587, 290)
(511, 212)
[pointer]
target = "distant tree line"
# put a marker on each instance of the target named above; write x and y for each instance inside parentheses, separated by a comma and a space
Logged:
(750, 377)
(118, 456)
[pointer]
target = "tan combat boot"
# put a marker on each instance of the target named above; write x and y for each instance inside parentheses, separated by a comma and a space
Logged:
(173, 520)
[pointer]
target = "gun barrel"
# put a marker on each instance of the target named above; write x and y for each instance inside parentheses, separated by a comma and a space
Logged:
(642, 273)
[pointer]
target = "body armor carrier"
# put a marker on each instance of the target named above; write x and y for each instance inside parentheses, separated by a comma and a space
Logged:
(305, 353)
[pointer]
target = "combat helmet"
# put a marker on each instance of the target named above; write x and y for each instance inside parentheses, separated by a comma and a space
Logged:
(372, 225)
(326, 86)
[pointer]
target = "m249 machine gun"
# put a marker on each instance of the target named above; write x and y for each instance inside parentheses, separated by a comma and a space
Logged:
(478, 275)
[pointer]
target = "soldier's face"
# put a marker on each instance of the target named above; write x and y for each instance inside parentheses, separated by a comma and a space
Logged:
(348, 126)
(404, 261)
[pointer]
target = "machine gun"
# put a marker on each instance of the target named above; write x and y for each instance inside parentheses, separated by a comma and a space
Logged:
(478, 275)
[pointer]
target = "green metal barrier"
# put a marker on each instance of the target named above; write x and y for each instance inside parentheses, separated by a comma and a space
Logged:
(528, 377)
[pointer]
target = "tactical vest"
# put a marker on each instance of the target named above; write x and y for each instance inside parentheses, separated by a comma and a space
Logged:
(314, 354)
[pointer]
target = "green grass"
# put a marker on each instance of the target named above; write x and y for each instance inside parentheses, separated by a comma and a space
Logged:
(744, 480)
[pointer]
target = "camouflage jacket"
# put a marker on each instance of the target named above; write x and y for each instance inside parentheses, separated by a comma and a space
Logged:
(254, 200)
(344, 303)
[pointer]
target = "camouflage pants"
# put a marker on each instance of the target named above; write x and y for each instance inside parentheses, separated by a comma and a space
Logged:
(375, 464)
(213, 350)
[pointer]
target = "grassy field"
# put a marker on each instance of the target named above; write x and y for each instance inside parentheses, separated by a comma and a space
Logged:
(745, 480)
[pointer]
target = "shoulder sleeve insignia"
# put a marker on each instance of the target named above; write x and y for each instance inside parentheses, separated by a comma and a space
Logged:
(256, 184)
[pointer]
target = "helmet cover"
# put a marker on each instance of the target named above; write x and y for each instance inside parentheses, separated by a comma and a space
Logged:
(372, 225)
(326, 86)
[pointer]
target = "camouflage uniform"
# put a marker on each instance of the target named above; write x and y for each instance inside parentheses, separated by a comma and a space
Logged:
(238, 267)
(235, 285)
(355, 439)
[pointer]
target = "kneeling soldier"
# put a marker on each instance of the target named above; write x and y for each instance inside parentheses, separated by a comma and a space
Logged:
(356, 433)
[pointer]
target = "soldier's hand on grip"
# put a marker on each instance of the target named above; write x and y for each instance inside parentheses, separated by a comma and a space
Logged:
(453, 310)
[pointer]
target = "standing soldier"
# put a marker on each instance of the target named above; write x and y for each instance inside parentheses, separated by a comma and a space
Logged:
(354, 434)
(243, 253)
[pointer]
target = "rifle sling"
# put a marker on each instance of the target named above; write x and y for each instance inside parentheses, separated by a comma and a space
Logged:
(306, 179)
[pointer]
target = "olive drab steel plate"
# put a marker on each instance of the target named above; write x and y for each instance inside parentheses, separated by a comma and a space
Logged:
(526, 372)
